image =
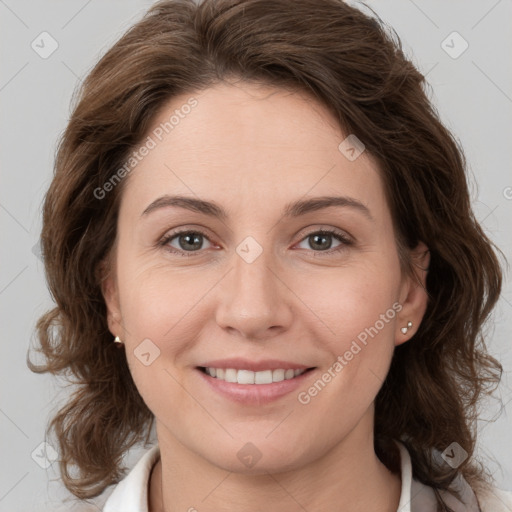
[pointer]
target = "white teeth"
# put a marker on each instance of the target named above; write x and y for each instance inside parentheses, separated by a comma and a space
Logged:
(264, 377)
(249, 377)
(230, 375)
(277, 375)
(245, 377)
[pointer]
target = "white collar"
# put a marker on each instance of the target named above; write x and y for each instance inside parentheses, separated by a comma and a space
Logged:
(131, 494)
(418, 497)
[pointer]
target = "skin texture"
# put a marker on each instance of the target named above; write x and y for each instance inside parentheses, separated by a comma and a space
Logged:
(252, 149)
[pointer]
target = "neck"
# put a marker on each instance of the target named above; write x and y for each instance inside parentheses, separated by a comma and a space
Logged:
(349, 473)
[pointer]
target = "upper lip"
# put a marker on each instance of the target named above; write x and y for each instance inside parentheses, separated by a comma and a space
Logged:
(239, 363)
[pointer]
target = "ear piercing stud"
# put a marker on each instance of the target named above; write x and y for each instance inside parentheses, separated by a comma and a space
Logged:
(405, 329)
(118, 342)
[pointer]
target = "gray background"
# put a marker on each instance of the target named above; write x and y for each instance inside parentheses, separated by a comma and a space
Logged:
(473, 93)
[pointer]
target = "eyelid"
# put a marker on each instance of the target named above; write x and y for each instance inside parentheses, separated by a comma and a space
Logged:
(318, 228)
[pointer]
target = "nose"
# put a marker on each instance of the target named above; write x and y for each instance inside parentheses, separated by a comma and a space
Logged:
(254, 299)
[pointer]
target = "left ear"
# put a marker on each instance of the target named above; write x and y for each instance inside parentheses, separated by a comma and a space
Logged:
(413, 295)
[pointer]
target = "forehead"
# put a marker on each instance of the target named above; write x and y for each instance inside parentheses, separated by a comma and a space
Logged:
(256, 143)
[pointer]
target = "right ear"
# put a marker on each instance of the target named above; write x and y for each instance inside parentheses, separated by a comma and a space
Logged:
(111, 295)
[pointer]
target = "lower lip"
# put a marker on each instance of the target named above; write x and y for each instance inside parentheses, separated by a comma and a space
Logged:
(254, 393)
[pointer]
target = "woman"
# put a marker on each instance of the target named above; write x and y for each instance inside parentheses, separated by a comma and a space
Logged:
(257, 204)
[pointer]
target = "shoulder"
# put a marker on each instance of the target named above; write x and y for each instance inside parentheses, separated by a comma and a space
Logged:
(417, 497)
(493, 499)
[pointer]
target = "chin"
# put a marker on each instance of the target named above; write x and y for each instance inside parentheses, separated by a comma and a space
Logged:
(257, 457)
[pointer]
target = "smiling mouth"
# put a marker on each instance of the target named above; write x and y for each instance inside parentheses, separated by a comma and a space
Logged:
(249, 377)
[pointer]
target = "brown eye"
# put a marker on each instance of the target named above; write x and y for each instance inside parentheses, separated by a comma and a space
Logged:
(322, 241)
(183, 242)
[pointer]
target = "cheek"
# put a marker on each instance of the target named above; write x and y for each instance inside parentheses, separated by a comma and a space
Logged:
(163, 315)
(156, 298)
(360, 312)
(345, 301)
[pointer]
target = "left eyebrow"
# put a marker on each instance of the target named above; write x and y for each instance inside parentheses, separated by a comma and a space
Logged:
(293, 209)
(302, 207)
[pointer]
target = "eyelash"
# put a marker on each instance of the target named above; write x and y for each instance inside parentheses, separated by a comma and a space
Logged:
(346, 242)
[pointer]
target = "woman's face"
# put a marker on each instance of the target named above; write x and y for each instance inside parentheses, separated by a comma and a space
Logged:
(258, 284)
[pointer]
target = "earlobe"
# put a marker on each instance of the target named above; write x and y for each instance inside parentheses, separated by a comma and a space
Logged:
(414, 295)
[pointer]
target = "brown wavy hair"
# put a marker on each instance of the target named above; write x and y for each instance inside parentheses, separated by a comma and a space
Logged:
(353, 64)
